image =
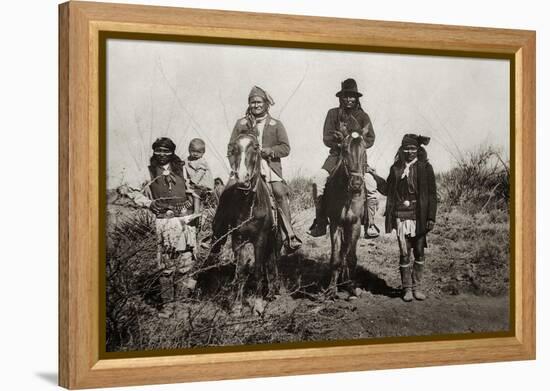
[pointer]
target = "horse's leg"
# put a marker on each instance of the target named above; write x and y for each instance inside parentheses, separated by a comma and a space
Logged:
(260, 274)
(335, 257)
(239, 279)
(219, 234)
(352, 232)
(272, 256)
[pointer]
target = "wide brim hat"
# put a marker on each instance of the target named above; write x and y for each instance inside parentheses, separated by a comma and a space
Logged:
(349, 86)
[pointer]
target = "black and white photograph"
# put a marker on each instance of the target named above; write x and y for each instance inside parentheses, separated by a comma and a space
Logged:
(261, 195)
(275, 195)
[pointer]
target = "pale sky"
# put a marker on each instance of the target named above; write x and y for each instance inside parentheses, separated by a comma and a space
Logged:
(184, 90)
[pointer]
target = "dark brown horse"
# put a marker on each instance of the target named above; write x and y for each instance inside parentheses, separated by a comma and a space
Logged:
(345, 206)
(245, 213)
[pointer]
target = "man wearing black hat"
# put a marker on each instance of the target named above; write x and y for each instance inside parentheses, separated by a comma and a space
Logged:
(410, 209)
(340, 122)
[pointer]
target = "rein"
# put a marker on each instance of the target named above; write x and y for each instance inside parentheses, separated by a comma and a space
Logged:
(257, 165)
(255, 178)
(343, 161)
(250, 217)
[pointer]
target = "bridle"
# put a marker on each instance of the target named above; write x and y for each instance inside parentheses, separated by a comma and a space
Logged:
(345, 152)
(253, 180)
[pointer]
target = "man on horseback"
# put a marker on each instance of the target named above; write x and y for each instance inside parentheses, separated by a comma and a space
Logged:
(274, 144)
(340, 122)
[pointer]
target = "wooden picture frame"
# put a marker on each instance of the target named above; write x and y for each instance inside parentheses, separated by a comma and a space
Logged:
(81, 167)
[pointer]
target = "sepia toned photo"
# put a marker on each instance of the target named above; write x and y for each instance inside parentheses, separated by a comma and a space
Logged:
(271, 195)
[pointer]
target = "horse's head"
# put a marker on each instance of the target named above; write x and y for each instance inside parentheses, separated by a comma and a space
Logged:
(246, 159)
(354, 156)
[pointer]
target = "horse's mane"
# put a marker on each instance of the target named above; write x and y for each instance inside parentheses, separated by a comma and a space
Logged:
(335, 188)
(339, 175)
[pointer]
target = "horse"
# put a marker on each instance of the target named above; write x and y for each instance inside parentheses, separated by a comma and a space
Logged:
(245, 213)
(345, 207)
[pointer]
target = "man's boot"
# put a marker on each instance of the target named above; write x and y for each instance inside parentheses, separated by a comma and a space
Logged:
(279, 192)
(418, 271)
(405, 267)
(371, 230)
(319, 226)
(293, 242)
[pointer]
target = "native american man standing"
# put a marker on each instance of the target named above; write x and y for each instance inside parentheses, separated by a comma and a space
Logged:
(410, 210)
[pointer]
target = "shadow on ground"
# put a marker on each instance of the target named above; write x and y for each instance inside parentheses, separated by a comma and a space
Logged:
(313, 276)
(300, 274)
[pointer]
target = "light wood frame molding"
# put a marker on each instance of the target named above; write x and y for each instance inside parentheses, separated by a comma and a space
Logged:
(80, 24)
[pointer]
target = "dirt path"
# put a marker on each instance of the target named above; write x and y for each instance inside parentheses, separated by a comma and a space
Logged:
(463, 297)
(372, 316)
(466, 280)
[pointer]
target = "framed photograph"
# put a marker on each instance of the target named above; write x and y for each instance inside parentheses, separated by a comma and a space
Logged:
(246, 195)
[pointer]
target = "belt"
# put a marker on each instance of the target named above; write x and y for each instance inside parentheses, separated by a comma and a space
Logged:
(169, 214)
(407, 204)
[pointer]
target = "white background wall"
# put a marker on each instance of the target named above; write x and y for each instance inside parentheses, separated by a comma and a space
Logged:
(28, 200)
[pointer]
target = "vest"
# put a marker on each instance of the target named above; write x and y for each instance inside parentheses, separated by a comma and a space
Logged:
(406, 196)
(172, 194)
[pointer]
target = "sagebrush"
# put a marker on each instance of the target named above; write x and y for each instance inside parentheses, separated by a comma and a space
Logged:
(469, 255)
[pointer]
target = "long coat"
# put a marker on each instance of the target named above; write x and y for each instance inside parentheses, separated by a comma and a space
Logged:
(426, 205)
(274, 136)
(357, 120)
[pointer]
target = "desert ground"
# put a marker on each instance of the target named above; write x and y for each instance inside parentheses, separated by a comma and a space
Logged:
(466, 280)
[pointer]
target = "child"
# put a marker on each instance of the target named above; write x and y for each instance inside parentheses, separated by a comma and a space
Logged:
(199, 176)
(410, 210)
